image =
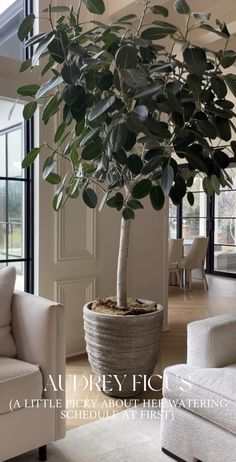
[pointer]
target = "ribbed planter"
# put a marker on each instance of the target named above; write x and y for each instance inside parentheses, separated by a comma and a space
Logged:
(122, 348)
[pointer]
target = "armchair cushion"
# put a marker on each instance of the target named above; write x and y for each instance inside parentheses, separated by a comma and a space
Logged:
(19, 381)
(209, 393)
(7, 282)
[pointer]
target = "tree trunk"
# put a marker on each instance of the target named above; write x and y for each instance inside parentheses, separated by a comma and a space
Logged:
(121, 288)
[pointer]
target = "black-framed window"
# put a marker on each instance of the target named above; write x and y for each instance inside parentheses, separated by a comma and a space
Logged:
(215, 218)
(16, 204)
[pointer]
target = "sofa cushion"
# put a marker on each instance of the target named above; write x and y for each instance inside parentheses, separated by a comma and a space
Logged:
(209, 393)
(18, 381)
(7, 283)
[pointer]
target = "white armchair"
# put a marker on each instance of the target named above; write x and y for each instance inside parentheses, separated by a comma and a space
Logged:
(38, 331)
(199, 398)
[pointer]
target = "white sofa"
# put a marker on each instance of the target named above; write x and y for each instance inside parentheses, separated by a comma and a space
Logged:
(38, 332)
(199, 398)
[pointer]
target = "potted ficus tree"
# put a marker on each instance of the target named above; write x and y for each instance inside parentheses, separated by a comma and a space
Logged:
(135, 108)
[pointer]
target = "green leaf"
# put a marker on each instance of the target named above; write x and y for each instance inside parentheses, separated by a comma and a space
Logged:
(141, 189)
(227, 58)
(126, 57)
(59, 132)
(101, 107)
(157, 197)
(233, 147)
(128, 17)
(95, 6)
(209, 28)
(167, 179)
(25, 65)
(103, 201)
(70, 94)
(53, 178)
(118, 137)
(90, 198)
(30, 158)
(56, 9)
(33, 40)
(134, 164)
(166, 26)
(135, 204)
(221, 159)
(151, 165)
(223, 128)
(58, 200)
(56, 49)
(116, 201)
(120, 156)
(134, 78)
(155, 33)
(195, 60)
(91, 151)
(181, 7)
(42, 46)
(88, 136)
(130, 140)
(28, 90)
(202, 16)
(215, 184)
(230, 79)
(161, 10)
(207, 187)
(50, 108)
(149, 90)
(48, 167)
(74, 157)
(26, 26)
(29, 110)
(190, 198)
(48, 86)
(219, 87)
(141, 112)
(194, 84)
(128, 214)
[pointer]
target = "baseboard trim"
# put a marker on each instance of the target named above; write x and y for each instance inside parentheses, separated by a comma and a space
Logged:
(173, 456)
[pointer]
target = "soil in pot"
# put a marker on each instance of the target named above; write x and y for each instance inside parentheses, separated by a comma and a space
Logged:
(134, 307)
(123, 344)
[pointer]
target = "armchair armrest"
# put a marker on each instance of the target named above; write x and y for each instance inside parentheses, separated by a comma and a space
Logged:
(212, 342)
(38, 330)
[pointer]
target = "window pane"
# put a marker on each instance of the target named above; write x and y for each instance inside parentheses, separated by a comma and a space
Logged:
(193, 227)
(15, 221)
(225, 204)
(232, 173)
(172, 210)
(2, 155)
(197, 185)
(225, 258)
(198, 209)
(2, 219)
(172, 228)
(225, 231)
(14, 153)
(11, 15)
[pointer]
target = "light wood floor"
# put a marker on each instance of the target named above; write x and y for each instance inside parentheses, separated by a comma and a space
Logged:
(184, 307)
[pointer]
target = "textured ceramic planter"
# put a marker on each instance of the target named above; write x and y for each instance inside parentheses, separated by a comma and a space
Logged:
(122, 348)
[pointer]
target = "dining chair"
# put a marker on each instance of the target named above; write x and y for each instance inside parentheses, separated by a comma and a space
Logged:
(195, 260)
(175, 256)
